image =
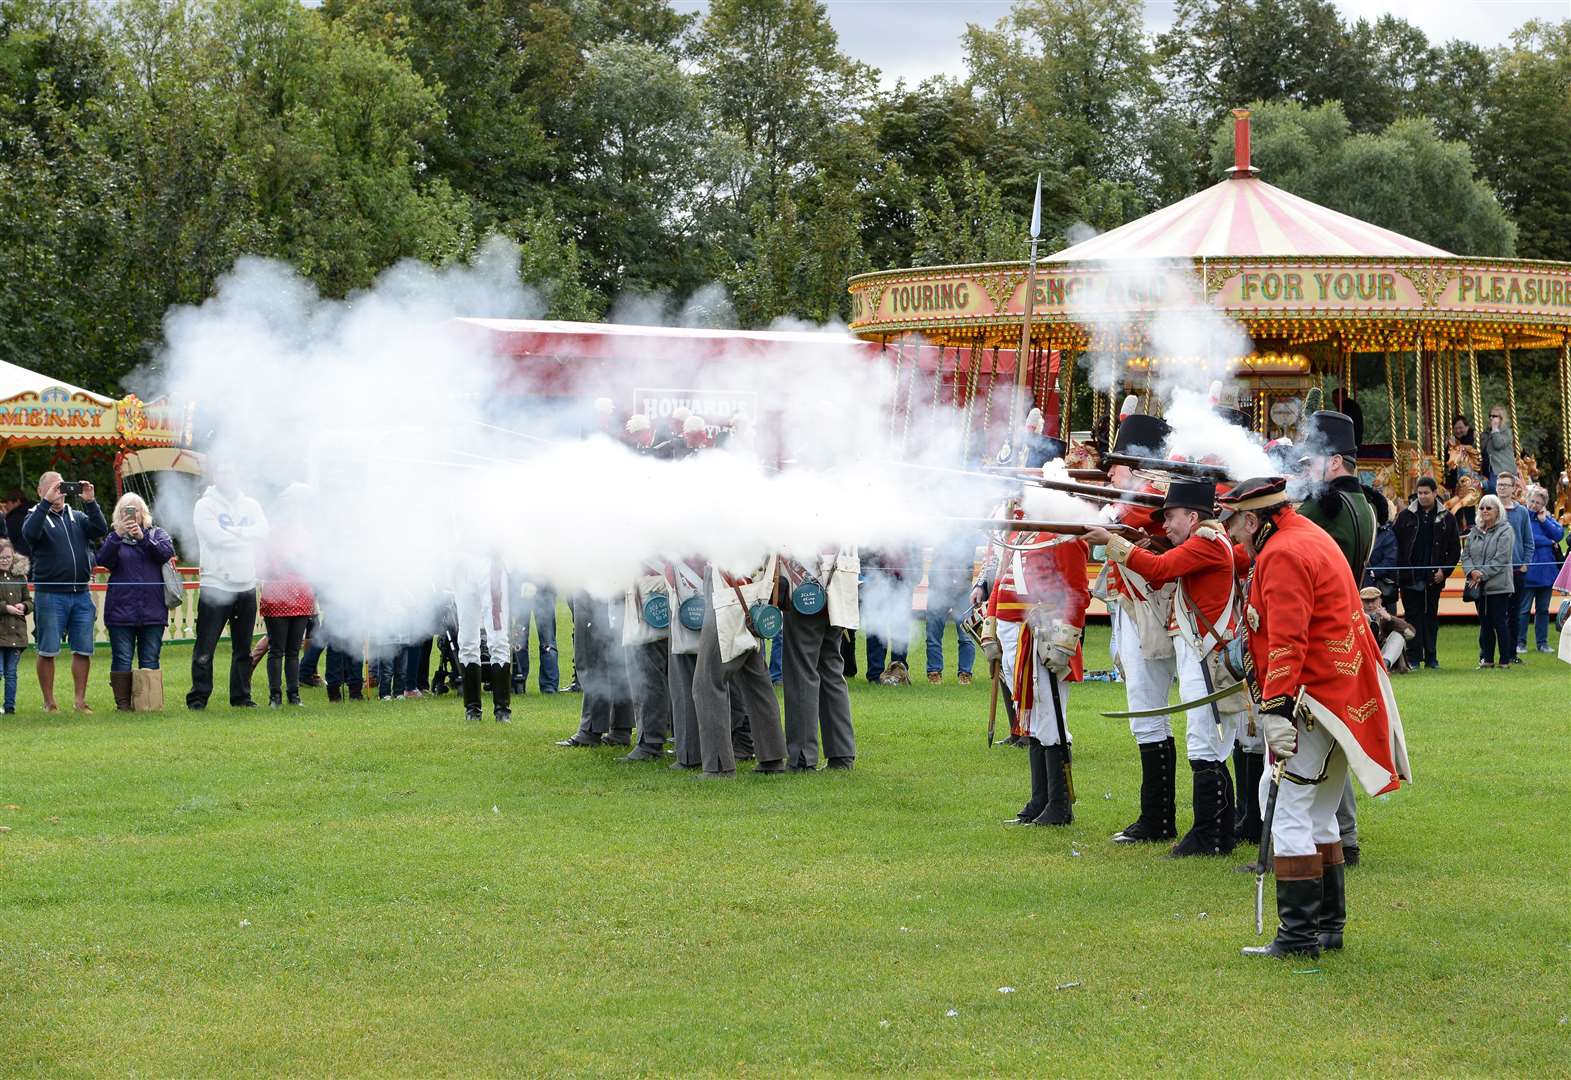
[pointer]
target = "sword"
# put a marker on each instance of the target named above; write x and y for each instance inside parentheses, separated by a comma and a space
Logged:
(992, 708)
(1265, 847)
(1182, 706)
(1264, 854)
(1063, 735)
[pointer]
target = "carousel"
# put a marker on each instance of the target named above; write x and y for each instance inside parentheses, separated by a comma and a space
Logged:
(1331, 305)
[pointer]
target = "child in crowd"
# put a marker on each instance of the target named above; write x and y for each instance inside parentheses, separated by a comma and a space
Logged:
(15, 604)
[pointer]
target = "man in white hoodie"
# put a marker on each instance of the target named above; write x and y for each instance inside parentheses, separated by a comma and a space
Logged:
(229, 528)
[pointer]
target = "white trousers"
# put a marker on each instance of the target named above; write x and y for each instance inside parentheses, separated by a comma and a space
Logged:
(1009, 645)
(1147, 683)
(1203, 740)
(472, 598)
(1306, 811)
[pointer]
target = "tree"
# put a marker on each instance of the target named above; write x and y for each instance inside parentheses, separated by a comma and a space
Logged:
(1526, 138)
(775, 75)
(974, 227)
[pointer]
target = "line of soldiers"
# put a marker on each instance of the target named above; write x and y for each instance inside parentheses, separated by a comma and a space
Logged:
(680, 656)
(1227, 586)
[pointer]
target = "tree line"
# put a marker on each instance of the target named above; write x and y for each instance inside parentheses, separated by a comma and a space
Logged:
(634, 151)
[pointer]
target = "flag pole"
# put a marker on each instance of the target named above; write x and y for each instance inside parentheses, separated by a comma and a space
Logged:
(1023, 354)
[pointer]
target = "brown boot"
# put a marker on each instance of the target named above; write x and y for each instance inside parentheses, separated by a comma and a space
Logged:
(120, 684)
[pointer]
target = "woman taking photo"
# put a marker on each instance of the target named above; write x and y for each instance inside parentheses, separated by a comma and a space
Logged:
(134, 554)
(1487, 562)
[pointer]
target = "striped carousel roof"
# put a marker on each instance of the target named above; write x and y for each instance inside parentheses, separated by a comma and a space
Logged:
(1244, 216)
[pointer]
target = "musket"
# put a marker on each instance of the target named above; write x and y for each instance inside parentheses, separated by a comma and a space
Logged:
(1191, 469)
(1087, 475)
(1063, 528)
(1099, 492)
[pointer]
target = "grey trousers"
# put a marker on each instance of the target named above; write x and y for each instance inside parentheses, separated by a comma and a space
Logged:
(1347, 814)
(652, 693)
(684, 720)
(601, 662)
(745, 678)
(816, 696)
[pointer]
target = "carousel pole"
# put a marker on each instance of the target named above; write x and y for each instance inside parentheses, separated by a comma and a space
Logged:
(1066, 403)
(1472, 379)
(1516, 438)
(1565, 401)
(1024, 352)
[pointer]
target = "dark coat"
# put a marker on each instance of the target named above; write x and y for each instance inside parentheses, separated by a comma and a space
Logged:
(136, 577)
(1445, 548)
(62, 545)
(13, 628)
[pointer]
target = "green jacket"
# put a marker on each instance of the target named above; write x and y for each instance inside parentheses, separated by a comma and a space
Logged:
(1342, 511)
(13, 628)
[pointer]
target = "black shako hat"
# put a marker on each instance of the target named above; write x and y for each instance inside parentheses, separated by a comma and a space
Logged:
(1236, 417)
(1191, 495)
(1258, 493)
(1329, 433)
(1140, 435)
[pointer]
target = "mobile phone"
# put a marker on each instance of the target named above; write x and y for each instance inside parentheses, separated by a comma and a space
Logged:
(71, 488)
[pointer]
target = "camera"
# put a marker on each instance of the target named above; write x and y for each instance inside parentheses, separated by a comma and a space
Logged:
(71, 488)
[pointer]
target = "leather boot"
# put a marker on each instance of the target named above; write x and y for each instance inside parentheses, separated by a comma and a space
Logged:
(1032, 809)
(1298, 895)
(335, 694)
(1209, 836)
(1153, 779)
(471, 677)
(502, 693)
(1057, 811)
(1250, 775)
(120, 684)
(1333, 895)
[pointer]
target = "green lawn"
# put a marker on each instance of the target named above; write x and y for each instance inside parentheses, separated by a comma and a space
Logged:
(383, 889)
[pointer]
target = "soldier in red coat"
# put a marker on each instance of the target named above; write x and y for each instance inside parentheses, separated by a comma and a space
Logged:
(1140, 613)
(1201, 566)
(1325, 705)
(1044, 586)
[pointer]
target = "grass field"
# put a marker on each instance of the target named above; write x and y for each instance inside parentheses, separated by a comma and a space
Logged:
(382, 889)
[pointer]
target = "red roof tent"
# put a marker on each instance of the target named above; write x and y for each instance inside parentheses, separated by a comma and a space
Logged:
(544, 348)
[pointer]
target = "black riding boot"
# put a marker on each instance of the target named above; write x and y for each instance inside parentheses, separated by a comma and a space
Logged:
(1250, 775)
(471, 677)
(1153, 779)
(1227, 833)
(1057, 811)
(1168, 809)
(501, 693)
(1333, 895)
(1298, 899)
(1029, 812)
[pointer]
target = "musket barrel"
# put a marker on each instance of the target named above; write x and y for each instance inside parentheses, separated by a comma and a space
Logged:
(1181, 468)
(1104, 494)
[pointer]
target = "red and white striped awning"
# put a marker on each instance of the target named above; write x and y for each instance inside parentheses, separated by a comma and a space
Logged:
(1245, 216)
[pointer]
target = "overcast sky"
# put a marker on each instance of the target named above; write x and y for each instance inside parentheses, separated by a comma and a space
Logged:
(917, 38)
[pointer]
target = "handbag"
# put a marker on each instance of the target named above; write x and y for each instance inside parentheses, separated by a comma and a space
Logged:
(174, 587)
(1471, 593)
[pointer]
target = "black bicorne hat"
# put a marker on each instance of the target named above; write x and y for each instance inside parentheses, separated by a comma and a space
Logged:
(1140, 435)
(1191, 495)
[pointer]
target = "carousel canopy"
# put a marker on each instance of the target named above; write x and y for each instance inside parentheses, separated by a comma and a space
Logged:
(1244, 217)
(15, 380)
(37, 410)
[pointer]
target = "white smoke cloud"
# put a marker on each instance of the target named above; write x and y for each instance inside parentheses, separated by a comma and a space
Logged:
(420, 447)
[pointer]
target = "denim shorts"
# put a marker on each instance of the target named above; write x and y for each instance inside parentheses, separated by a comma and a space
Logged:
(70, 616)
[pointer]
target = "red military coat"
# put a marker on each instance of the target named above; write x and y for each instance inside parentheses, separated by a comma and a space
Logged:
(1205, 564)
(1307, 629)
(1048, 580)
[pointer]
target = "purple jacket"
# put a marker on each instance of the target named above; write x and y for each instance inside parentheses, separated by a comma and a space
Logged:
(136, 579)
